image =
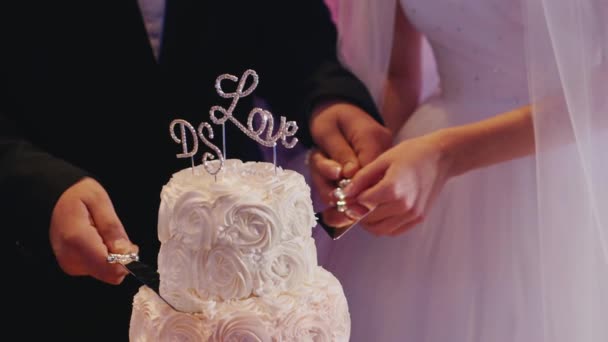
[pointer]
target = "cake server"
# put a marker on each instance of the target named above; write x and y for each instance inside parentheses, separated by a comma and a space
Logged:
(336, 232)
(144, 273)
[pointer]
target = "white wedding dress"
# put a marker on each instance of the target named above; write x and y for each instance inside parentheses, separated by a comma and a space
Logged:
(465, 273)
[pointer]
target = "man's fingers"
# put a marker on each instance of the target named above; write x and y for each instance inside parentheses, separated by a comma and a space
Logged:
(324, 188)
(326, 167)
(78, 246)
(324, 173)
(338, 149)
(348, 135)
(108, 224)
(328, 134)
(366, 136)
(93, 254)
(376, 142)
(75, 242)
(78, 243)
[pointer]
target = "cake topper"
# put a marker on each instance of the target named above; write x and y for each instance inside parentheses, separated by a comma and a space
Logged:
(264, 134)
(183, 124)
(207, 156)
(183, 140)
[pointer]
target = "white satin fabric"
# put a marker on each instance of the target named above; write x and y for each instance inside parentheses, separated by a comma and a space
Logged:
(516, 252)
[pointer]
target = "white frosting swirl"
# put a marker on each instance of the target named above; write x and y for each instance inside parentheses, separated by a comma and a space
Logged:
(145, 315)
(304, 325)
(296, 212)
(242, 328)
(316, 311)
(284, 192)
(164, 219)
(249, 227)
(176, 271)
(287, 266)
(225, 274)
(192, 221)
(246, 229)
(181, 328)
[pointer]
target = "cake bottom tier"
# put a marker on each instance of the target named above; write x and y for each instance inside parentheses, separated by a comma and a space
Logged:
(314, 312)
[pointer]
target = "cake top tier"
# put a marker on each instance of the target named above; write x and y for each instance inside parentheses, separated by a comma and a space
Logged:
(257, 187)
(248, 232)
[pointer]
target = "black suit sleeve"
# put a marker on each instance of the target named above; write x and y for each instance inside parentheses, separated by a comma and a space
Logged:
(31, 180)
(298, 60)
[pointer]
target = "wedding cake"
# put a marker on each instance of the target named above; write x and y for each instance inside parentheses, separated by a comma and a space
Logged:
(237, 262)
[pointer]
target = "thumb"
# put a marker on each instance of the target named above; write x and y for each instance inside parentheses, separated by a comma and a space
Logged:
(108, 224)
(324, 166)
(366, 178)
(366, 138)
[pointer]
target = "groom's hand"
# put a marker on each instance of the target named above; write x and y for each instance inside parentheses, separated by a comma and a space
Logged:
(347, 139)
(84, 229)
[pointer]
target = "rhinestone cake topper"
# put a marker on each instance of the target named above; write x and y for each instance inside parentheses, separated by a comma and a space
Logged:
(264, 134)
(208, 156)
(182, 139)
(183, 124)
(286, 128)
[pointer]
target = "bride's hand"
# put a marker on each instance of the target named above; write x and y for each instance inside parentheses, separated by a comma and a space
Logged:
(400, 185)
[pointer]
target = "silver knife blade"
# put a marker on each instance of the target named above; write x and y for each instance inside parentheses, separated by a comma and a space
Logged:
(144, 273)
(337, 232)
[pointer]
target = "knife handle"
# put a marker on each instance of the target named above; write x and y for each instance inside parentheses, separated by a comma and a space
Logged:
(124, 259)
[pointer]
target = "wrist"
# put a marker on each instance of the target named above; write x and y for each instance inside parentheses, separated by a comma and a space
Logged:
(317, 120)
(321, 107)
(450, 146)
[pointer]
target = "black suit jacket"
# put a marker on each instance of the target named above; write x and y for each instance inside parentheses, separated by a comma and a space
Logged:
(82, 94)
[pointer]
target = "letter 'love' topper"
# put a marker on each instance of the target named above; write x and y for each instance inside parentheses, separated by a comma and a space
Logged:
(286, 128)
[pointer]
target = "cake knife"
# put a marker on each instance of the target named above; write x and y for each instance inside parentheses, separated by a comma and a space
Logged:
(336, 232)
(144, 273)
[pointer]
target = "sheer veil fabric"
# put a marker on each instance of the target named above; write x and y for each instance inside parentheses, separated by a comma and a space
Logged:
(516, 252)
(568, 74)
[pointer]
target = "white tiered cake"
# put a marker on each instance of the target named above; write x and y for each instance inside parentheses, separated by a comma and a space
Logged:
(238, 261)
